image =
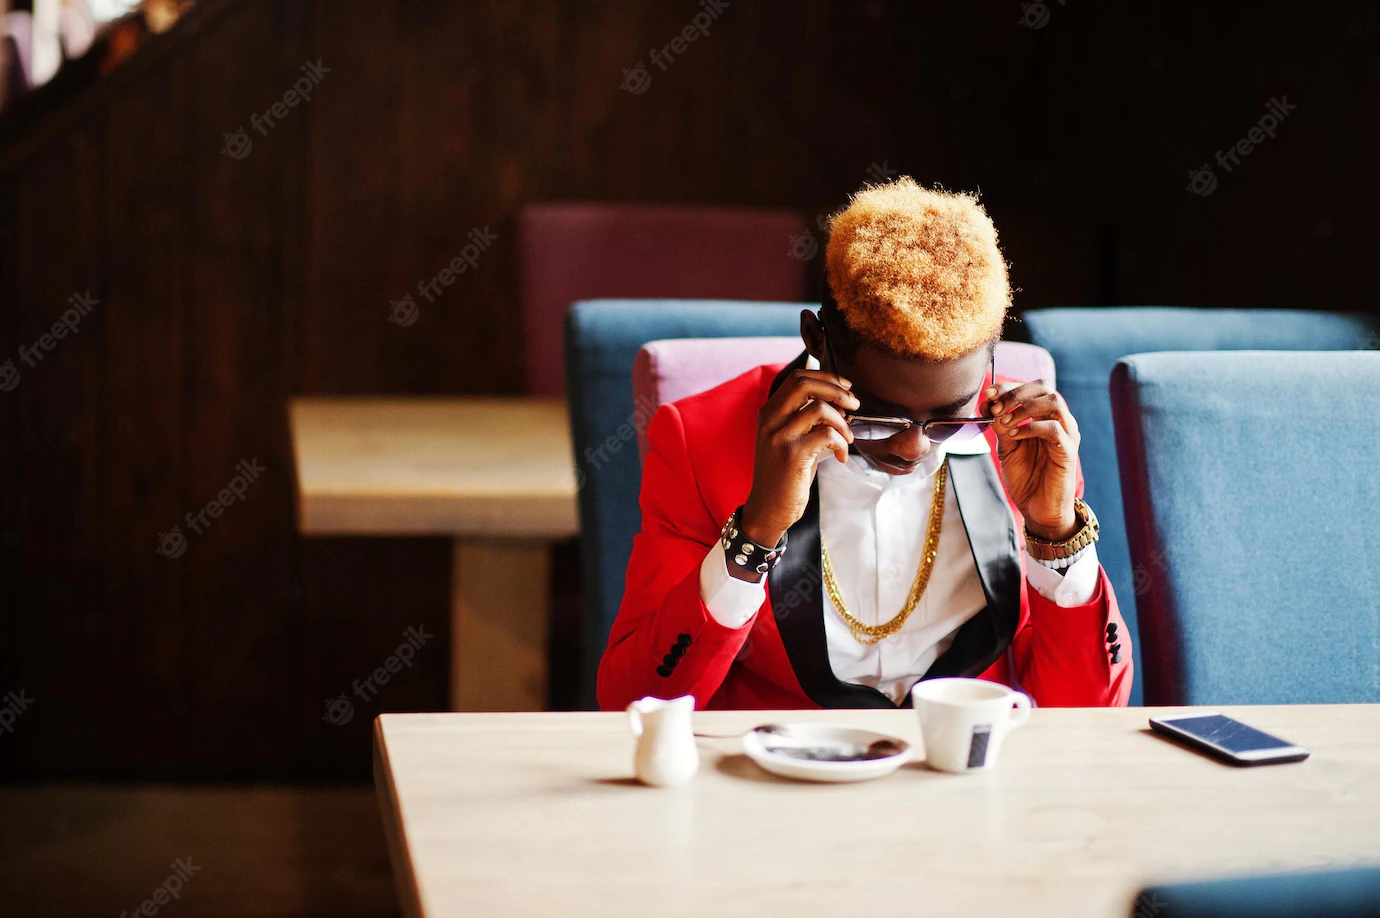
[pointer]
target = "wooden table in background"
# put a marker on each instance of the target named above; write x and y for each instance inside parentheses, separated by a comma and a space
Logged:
(536, 814)
(495, 474)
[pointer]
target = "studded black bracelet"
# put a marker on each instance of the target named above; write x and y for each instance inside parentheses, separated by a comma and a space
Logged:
(744, 552)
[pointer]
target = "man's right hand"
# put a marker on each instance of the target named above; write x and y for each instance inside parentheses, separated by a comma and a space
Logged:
(798, 426)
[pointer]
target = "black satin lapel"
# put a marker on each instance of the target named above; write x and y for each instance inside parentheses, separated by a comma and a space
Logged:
(797, 601)
(796, 587)
(992, 533)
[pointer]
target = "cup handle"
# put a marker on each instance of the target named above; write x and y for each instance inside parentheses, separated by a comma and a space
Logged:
(635, 720)
(1020, 713)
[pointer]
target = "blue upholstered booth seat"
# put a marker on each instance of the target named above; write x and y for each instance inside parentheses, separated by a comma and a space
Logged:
(1353, 893)
(602, 338)
(1252, 488)
(1086, 344)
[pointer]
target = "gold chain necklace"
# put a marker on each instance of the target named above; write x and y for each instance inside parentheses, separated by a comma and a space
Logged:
(871, 634)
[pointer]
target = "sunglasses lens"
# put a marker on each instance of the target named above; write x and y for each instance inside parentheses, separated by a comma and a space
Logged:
(874, 430)
(957, 430)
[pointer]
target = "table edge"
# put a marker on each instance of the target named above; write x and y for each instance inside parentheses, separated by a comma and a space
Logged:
(399, 854)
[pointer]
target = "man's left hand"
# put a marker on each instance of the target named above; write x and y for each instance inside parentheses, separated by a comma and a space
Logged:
(1037, 443)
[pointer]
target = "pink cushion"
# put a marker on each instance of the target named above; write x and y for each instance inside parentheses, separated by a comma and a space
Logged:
(19, 26)
(1026, 362)
(572, 252)
(666, 371)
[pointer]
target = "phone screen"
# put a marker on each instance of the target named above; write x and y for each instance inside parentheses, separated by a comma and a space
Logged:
(1229, 734)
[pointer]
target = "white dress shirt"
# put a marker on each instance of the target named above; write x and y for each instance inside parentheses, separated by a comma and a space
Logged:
(874, 526)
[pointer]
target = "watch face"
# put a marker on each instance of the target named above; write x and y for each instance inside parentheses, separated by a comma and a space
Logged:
(1081, 507)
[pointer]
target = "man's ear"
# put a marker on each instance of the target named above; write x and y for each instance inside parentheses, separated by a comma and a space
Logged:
(812, 333)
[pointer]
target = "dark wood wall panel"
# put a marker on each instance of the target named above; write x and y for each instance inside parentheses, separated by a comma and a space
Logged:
(234, 372)
(10, 379)
(142, 431)
(226, 284)
(353, 210)
(61, 519)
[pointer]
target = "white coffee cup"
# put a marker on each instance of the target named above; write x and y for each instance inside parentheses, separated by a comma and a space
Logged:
(963, 721)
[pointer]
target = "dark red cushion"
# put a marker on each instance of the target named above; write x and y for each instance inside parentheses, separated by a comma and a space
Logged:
(577, 251)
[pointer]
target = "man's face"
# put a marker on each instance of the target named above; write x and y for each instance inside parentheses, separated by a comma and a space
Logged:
(916, 389)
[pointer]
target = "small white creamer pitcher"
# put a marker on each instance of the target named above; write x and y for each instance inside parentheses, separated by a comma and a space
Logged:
(666, 753)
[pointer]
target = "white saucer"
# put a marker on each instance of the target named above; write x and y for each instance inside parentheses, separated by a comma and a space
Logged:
(787, 766)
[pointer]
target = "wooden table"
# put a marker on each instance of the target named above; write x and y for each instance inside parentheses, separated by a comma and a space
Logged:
(497, 475)
(536, 814)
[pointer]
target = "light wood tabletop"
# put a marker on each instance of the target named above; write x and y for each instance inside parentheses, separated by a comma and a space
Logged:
(434, 466)
(496, 475)
(536, 814)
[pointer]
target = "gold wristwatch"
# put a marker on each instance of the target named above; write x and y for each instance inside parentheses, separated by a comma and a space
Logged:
(1059, 555)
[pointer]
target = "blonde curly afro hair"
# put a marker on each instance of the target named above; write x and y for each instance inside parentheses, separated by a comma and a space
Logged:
(918, 272)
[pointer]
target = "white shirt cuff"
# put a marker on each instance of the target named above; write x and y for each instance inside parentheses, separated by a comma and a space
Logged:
(1073, 586)
(731, 601)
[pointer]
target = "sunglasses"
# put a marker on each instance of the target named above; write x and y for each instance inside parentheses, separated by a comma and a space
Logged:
(875, 428)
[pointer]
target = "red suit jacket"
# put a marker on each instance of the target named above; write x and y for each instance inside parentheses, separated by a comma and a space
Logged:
(664, 642)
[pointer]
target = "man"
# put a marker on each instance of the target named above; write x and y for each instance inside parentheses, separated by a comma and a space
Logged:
(879, 511)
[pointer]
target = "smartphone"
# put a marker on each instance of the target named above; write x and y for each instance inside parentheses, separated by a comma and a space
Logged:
(1227, 739)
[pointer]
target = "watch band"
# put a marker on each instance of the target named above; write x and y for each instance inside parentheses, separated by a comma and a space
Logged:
(1067, 551)
(1062, 563)
(744, 552)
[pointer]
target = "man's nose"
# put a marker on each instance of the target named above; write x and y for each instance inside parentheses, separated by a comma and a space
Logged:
(910, 445)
